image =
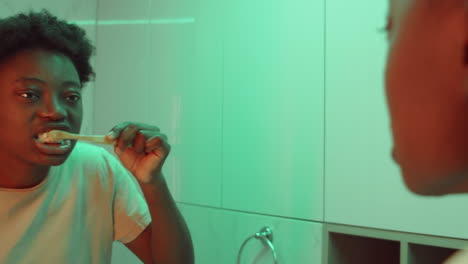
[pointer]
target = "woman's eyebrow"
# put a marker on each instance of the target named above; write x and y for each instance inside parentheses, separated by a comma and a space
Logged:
(33, 79)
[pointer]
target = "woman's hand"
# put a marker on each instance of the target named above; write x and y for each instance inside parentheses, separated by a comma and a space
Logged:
(141, 148)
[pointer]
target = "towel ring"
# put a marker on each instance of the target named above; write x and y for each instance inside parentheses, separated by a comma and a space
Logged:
(266, 235)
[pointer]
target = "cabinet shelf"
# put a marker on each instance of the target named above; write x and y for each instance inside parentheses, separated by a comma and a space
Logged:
(349, 249)
(344, 244)
(423, 254)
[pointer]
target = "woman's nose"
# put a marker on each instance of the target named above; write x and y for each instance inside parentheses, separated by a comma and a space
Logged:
(52, 109)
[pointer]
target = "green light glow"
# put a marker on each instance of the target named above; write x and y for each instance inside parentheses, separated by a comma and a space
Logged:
(187, 20)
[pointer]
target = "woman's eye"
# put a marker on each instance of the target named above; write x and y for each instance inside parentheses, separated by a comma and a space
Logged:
(29, 95)
(74, 97)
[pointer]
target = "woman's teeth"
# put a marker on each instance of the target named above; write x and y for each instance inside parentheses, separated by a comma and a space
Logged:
(59, 142)
(60, 148)
(45, 138)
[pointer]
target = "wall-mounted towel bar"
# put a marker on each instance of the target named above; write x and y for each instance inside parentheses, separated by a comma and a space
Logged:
(266, 235)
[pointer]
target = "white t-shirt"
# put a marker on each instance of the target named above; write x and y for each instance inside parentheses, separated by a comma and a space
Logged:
(75, 214)
(460, 257)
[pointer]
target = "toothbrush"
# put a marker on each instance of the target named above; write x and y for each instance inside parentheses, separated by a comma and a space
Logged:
(56, 135)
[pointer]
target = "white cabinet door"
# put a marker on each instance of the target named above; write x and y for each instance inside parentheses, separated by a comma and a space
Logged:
(273, 107)
(363, 185)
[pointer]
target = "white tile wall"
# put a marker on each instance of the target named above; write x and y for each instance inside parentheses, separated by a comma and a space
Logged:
(87, 126)
(123, 10)
(273, 107)
(69, 10)
(218, 235)
(186, 94)
(122, 80)
(121, 90)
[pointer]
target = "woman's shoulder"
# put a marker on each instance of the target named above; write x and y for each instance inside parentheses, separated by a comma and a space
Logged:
(84, 152)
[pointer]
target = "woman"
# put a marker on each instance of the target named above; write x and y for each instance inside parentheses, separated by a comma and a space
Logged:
(67, 201)
(425, 85)
(426, 92)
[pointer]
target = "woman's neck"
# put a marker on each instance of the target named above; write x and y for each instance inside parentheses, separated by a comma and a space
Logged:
(22, 177)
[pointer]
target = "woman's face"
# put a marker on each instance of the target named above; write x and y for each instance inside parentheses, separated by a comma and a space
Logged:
(422, 29)
(425, 71)
(403, 11)
(39, 91)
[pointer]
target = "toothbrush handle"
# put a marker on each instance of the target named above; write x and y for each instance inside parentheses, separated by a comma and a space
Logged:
(95, 139)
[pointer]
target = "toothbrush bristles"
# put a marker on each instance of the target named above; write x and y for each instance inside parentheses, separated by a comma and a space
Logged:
(50, 136)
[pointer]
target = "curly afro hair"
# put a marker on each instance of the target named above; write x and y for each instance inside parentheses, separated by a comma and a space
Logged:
(43, 30)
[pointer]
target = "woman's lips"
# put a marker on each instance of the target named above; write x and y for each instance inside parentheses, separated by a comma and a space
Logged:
(54, 149)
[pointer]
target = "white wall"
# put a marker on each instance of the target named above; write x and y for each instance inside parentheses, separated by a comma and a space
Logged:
(273, 107)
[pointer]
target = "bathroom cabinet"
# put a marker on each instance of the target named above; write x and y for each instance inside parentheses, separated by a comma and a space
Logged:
(343, 244)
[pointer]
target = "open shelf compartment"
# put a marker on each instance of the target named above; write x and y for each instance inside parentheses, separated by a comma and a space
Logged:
(343, 244)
